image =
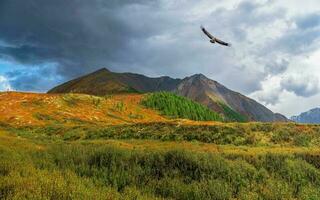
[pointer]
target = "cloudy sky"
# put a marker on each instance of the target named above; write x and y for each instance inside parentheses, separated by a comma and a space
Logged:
(275, 57)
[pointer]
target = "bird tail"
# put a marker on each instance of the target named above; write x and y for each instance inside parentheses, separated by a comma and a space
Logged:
(229, 45)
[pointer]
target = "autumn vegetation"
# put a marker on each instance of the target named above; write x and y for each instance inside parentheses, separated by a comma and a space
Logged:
(131, 152)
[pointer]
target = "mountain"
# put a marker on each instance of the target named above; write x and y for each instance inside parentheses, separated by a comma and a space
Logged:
(232, 105)
(103, 82)
(217, 97)
(312, 116)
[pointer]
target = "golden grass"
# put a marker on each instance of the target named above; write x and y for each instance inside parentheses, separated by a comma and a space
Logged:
(23, 109)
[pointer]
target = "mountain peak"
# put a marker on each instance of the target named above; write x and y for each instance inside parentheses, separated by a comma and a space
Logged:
(314, 109)
(197, 77)
(201, 76)
(102, 70)
(311, 116)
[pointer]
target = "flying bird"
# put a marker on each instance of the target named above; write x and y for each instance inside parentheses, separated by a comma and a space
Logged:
(214, 39)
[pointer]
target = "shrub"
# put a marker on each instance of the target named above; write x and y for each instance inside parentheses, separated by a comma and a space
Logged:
(85, 170)
(70, 99)
(276, 189)
(232, 115)
(302, 140)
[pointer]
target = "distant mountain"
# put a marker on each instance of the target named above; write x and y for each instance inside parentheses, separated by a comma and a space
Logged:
(232, 105)
(312, 116)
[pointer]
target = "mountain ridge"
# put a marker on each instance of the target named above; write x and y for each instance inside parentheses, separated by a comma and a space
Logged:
(196, 87)
(311, 116)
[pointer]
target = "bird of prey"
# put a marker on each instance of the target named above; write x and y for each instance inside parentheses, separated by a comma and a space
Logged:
(214, 39)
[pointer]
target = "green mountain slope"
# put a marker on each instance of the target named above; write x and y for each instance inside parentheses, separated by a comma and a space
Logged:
(176, 106)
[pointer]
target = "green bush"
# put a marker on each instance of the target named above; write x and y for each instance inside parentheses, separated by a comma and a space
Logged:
(232, 115)
(222, 133)
(302, 140)
(71, 100)
(276, 189)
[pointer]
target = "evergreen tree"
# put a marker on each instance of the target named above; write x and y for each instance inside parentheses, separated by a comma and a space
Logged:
(176, 106)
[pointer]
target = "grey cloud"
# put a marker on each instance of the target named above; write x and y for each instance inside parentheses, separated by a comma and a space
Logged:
(244, 16)
(301, 85)
(276, 67)
(80, 35)
(295, 41)
(269, 98)
(309, 21)
(298, 41)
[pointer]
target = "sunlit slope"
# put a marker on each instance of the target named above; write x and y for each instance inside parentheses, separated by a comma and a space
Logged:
(40, 109)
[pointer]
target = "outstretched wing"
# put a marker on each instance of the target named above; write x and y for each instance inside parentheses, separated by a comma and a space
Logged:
(222, 42)
(206, 32)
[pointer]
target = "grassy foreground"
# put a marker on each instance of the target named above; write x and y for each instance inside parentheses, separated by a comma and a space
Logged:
(139, 162)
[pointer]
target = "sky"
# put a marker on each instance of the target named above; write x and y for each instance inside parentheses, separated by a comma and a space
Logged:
(274, 58)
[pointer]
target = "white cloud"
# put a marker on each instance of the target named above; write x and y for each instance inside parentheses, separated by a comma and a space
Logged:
(291, 104)
(269, 92)
(4, 84)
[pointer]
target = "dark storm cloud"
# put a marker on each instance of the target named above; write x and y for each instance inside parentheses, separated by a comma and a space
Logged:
(78, 35)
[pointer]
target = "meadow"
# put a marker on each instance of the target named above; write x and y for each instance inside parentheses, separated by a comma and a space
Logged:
(149, 158)
(139, 162)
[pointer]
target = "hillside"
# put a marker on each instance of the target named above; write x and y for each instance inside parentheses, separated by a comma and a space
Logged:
(73, 109)
(234, 106)
(312, 116)
(23, 109)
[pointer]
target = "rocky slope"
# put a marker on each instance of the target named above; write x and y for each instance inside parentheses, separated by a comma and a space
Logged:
(217, 97)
